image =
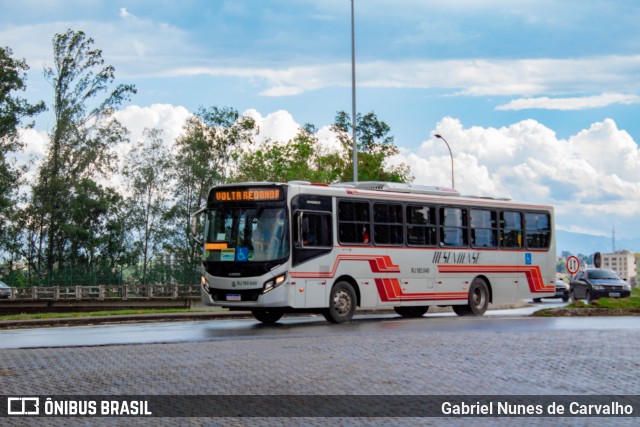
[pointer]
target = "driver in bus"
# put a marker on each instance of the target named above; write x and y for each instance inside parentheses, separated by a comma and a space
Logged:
(308, 238)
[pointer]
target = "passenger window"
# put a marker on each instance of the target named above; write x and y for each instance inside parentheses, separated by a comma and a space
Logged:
(453, 227)
(484, 229)
(421, 225)
(353, 222)
(511, 229)
(538, 230)
(387, 224)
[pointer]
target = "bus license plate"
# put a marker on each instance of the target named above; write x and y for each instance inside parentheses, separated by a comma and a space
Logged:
(233, 297)
(614, 294)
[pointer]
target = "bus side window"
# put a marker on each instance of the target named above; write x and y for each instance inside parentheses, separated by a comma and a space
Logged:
(421, 225)
(511, 229)
(538, 230)
(453, 227)
(483, 228)
(353, 222)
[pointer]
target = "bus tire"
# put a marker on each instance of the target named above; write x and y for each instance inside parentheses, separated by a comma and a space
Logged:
(414, 311)
(478, 300)
(462, 310)
(267, 316)
(342, 303)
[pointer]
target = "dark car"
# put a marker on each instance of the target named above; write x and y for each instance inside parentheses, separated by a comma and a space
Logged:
(562, 290)
(5, 290)
(594, 283)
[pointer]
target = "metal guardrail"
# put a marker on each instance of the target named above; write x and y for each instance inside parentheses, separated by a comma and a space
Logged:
(105, 293)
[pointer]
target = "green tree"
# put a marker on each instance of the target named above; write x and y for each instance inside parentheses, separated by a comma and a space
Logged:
(81, 142)
(374, 144)
(297, 159)
(147, 173)
(94, 223)
(13, 110)
(206, 155)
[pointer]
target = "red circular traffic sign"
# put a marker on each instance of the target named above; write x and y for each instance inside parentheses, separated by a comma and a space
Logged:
(573, 264)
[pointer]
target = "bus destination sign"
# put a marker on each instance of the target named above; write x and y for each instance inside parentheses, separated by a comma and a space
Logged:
(248, 194)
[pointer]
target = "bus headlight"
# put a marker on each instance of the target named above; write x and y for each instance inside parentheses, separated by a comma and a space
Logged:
(203, 282)
(274, 283)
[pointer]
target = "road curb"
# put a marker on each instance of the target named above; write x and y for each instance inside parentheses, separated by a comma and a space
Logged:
(127, 318)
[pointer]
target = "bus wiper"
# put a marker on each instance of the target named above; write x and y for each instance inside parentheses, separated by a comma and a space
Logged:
(256, 215)
(248, 226)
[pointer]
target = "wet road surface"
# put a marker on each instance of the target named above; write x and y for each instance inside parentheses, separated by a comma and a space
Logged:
(302, 326)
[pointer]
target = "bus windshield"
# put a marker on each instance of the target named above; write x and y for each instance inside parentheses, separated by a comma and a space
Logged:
(239, 234)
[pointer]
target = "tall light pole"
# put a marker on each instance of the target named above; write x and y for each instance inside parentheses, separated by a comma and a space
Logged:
(451, 154)
(353, 96)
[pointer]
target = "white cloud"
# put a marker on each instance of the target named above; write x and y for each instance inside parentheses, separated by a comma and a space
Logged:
(35, 144)
(573, 103)
(278, 126)
(124, 13)
(166, 117)
(614, 76)
(591, 178)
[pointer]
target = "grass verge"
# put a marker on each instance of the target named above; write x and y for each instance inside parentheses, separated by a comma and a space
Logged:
(603, 307)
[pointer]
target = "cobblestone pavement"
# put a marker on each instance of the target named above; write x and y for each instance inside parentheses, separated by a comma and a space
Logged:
(407, 363)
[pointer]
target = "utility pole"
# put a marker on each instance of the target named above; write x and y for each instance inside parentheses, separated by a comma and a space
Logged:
(353, 95)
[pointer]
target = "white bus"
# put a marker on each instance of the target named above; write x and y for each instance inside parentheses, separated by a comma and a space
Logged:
(275, 248)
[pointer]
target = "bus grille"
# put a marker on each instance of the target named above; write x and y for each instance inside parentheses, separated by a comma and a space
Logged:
(245, 295)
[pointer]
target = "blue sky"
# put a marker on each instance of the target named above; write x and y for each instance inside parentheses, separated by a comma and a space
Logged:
(539, 99)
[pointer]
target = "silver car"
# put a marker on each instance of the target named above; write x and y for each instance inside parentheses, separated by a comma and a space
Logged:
(5, 290)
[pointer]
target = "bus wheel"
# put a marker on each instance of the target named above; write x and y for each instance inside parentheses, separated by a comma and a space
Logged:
(342, 303)
(267, 315)
(478, 300)
(462, 310)
(415, 311)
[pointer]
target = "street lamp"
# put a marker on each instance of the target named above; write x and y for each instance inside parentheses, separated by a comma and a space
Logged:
(451, 154)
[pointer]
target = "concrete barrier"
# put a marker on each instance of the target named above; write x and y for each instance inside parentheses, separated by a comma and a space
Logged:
(99, 297)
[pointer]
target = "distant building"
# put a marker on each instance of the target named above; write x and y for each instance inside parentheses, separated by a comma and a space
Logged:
(623, 263)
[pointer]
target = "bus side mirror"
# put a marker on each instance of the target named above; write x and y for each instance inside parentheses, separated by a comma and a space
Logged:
(195, 221)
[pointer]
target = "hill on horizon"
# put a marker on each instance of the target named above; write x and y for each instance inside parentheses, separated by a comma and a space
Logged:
(587, 244)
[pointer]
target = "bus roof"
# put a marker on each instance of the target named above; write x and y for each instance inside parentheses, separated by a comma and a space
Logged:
(393, 190)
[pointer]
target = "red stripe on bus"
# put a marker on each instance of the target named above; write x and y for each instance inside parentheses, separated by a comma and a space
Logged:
(377, 263)
(391, 291)
(531, 272)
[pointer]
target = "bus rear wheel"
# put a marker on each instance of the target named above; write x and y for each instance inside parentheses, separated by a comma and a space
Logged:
(478, 300)
(267, 316)
(415, 311)
(342, 303)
